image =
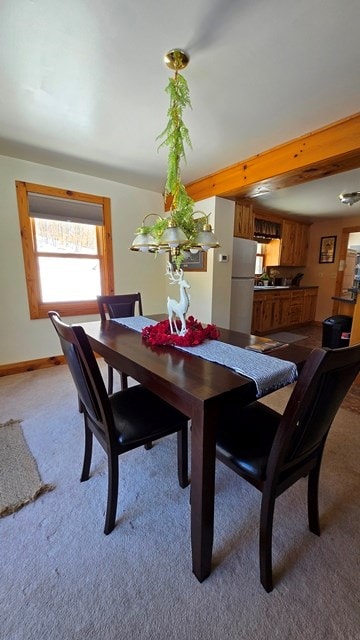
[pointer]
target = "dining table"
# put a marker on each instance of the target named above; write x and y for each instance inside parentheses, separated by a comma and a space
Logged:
(197, 387)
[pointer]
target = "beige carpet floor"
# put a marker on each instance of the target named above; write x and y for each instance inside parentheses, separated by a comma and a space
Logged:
(62, 579)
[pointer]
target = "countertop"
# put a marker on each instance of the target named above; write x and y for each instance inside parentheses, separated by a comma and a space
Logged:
(347, 299)
(288, 288)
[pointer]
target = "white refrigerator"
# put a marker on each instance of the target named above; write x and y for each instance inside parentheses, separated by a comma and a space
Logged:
(242, 284)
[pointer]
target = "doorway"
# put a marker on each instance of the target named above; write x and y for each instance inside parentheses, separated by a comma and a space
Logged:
(343, 276)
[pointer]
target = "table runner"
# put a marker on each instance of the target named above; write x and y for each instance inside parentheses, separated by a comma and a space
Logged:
(267, 372)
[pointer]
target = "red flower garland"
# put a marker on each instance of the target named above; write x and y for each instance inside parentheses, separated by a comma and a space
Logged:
(159, 334)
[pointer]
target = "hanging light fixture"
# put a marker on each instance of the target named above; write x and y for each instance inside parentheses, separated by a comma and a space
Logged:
(183, 230)
(350, 198)
(143, 240)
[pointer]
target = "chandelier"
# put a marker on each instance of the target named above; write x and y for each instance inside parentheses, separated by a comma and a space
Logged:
(183, 231)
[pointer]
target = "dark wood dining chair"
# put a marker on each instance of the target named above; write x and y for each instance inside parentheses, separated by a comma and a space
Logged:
(123, 421)
(119, 306)
(272, 451)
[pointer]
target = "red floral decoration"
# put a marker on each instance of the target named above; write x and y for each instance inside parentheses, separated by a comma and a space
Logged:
(159, 334)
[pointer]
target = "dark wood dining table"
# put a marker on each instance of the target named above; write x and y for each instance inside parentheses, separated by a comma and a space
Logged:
(197, 387)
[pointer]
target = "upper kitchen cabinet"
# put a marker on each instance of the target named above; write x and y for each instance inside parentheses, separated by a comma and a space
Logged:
(294, 244)
(291, 250)
(244, 221)
(290, 244)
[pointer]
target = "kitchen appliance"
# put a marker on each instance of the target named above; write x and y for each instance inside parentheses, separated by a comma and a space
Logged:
(242, 284)
(296, 280)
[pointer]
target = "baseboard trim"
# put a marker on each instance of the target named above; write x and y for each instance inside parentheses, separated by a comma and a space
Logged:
(31, 365)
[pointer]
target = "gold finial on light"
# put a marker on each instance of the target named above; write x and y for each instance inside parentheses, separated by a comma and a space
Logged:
(176, 59)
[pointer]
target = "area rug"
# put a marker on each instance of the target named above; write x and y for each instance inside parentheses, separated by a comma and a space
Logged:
(20, 482)
(286, 336)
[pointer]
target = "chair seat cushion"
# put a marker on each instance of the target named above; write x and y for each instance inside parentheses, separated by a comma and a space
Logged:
(140, 416)
(245, 437)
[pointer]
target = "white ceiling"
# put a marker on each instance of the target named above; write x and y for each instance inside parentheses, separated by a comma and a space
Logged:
(316, 199)
(82, 84)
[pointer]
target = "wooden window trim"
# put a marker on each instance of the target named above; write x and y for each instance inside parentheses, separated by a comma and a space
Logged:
(40, 309)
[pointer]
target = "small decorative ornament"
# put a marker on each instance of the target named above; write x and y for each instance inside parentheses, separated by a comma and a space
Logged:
(160, 334)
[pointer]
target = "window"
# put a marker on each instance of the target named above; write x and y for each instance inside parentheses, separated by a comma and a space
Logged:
(260, 259)
(66, 238)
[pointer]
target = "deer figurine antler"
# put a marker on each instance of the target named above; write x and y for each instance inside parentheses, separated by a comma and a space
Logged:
(178, 309)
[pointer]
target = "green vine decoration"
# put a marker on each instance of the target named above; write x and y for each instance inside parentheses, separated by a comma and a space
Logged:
(175, 137)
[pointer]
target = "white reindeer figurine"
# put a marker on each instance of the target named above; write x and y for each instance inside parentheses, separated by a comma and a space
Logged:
(178, 309)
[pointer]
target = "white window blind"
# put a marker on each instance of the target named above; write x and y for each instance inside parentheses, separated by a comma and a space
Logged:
(51, 208)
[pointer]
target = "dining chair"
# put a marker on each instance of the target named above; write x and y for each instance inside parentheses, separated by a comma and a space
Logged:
(272, 451)
(119, 306)
(123, 421)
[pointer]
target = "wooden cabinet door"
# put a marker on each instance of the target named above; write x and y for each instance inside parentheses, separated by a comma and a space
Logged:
(296, 307)
(244, 221)
(284, 310)
(309, 306)
(301, 245)
(288, 238)
(268, 314)
(256, 322)
(294, 243)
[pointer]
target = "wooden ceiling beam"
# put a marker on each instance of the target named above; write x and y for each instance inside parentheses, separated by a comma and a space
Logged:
(326, 151)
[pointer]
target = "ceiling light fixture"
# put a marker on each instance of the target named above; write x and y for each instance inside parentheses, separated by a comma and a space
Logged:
(183, 230)
(260, 191)
(350, 198)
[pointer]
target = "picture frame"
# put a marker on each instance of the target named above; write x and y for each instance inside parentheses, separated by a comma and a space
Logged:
(327, 249)
(195, 262)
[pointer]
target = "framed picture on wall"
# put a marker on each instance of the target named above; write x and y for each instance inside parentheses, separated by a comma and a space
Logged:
(327, 249)
(195, 262)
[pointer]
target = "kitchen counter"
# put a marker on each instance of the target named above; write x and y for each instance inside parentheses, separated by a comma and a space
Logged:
(284, 287)
(281, 307)
(346, 299)
(344, 305)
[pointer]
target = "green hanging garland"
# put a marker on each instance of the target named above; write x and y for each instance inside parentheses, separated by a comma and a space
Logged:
(175, 137)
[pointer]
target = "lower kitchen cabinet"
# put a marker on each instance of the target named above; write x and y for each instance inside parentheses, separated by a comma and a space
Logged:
(309, 308)
(273, 310)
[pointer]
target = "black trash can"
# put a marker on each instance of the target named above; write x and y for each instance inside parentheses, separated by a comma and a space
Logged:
(336, 332)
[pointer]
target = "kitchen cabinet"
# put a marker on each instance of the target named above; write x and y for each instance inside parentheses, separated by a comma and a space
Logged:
(256, 322)
(296, 307)
(279, 309)
(294, 244)
(291, 250)
(244, 221)
(268, 311)
(309, 305)
(287, 245)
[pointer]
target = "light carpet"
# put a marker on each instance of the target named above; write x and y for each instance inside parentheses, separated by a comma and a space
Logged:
(20, 482)
(286, 336)
(63, 579)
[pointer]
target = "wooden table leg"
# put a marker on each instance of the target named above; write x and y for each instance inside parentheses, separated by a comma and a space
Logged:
(202, 490)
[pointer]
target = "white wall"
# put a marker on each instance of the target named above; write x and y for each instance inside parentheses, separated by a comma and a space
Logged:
(22, 339)
(221, 291)
(324, 275)
(210, 290)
